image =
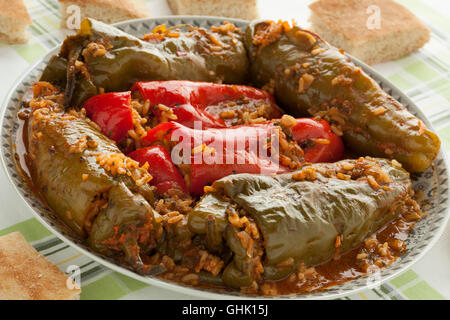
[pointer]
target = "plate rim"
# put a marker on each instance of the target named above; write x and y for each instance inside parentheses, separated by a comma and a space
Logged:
(198, 292)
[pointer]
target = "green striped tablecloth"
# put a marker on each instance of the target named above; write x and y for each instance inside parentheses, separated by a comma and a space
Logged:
(424, 76)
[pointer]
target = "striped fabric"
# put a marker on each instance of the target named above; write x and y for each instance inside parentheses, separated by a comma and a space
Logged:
(424, 76)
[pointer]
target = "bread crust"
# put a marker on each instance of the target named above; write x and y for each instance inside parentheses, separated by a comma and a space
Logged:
(241, 9)
(349, 17)
(14, 20)
(109, 11)
(343, 23)
(26, 274)
(15, 9)
(15, 39)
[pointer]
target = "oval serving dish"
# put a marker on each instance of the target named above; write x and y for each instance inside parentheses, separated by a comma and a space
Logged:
(433, 182)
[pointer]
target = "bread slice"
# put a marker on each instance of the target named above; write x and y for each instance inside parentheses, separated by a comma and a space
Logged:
(14, 20)
(108, 11)
(343, 23)
(241, 9)
(25, 274)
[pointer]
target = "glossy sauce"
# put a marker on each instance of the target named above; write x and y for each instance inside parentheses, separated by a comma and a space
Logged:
(347, 266)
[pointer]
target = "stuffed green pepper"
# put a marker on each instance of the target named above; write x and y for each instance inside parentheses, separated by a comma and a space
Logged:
(272, 224)
(94, 188)
(103, 58)
(310, 77)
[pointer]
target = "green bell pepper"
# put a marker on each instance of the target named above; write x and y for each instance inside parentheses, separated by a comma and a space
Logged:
(301, 220)
(87, 196)
(190, 54)
(310, 77)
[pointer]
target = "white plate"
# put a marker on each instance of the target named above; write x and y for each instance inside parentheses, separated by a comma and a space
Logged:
(433, 182)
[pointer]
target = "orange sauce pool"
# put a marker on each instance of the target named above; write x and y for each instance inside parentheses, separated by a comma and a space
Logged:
(347, 267)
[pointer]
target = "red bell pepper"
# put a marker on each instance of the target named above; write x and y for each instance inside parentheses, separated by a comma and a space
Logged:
(165, 174)
(112, 112)
(192, 101)
(317, 140)
(202, 101)
(214, 153)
